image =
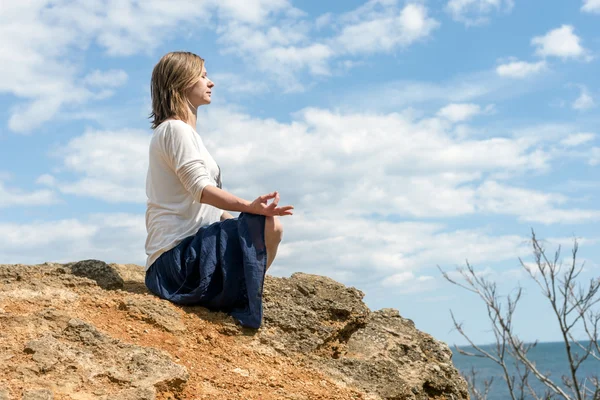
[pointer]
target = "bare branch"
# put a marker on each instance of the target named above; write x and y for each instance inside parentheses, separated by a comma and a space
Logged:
(572, 305)
(474, 387)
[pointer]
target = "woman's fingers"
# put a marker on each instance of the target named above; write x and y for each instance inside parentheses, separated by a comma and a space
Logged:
(273, 209)
(286, 210)
(275, 200)
(267, 196)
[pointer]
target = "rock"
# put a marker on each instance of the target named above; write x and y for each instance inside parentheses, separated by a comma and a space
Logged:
(38, 394)
(65, 325)
(105, 276)
(146, 393)
(54, 315)
(389, 347)
(130, 272)
(380, 351)
(154, 312)
(241, 371)
(45, 352)
(81, 348)
(306, 313)
(39, 284)
(4, 394)
(134, 277)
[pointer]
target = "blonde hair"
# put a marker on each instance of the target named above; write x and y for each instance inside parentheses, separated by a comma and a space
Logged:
(171, 76)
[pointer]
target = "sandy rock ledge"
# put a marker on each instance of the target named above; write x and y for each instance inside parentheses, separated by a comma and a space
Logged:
(90, 330)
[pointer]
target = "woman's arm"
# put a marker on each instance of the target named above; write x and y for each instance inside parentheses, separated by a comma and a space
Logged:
(226, 201)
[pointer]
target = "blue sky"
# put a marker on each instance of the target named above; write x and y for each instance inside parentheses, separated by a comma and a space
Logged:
(407, 134)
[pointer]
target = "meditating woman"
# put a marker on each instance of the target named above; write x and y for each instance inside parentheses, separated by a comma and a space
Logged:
(198, 254)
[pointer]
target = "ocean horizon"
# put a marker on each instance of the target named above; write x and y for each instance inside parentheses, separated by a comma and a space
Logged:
(549, 357)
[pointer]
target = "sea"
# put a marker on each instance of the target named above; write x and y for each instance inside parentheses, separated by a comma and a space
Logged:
(550, 358)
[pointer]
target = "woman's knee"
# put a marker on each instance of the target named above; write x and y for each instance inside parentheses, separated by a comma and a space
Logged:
(273, 229)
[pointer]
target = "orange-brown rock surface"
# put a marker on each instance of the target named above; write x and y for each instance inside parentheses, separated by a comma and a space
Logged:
(89, 330)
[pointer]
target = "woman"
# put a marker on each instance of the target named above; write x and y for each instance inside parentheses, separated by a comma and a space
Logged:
(198, 254)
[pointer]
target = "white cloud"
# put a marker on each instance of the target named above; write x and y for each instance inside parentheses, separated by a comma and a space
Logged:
(27, 116)
(108, 237)
(530, 205)
(399, 278)
(13, 197)
(408, 93)
(395, 152)
(256, 12)
(111, 78)
(577, 139)
(286, 49)
(571, 216)
(476, 245)
(545, 132)
(113, 165)
(282, 51)
(314, 57)
(407, 283)
(499, 198)
(233, 83)
(375, 252)
(127, 27)
(385, 30)
(520, 69)
(476, 12)
(585, 101)
(46, 179)
(112, 192)
(395, 95)
(591, 6)
(560, 42)
(324, 20)
(41, 41)
(459, 112)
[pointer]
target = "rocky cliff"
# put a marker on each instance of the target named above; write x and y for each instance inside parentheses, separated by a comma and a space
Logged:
(89, 330)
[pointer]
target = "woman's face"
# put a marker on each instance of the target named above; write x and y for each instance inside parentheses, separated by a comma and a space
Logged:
(199, 94)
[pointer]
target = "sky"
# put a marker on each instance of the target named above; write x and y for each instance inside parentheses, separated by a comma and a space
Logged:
(407, 134)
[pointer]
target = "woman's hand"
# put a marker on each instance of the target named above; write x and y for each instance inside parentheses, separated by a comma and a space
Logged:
(260, 206)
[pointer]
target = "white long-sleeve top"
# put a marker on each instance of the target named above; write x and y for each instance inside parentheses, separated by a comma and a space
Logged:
(180, 168)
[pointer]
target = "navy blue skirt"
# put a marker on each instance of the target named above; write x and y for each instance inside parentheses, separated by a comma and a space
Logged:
(222, 267)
